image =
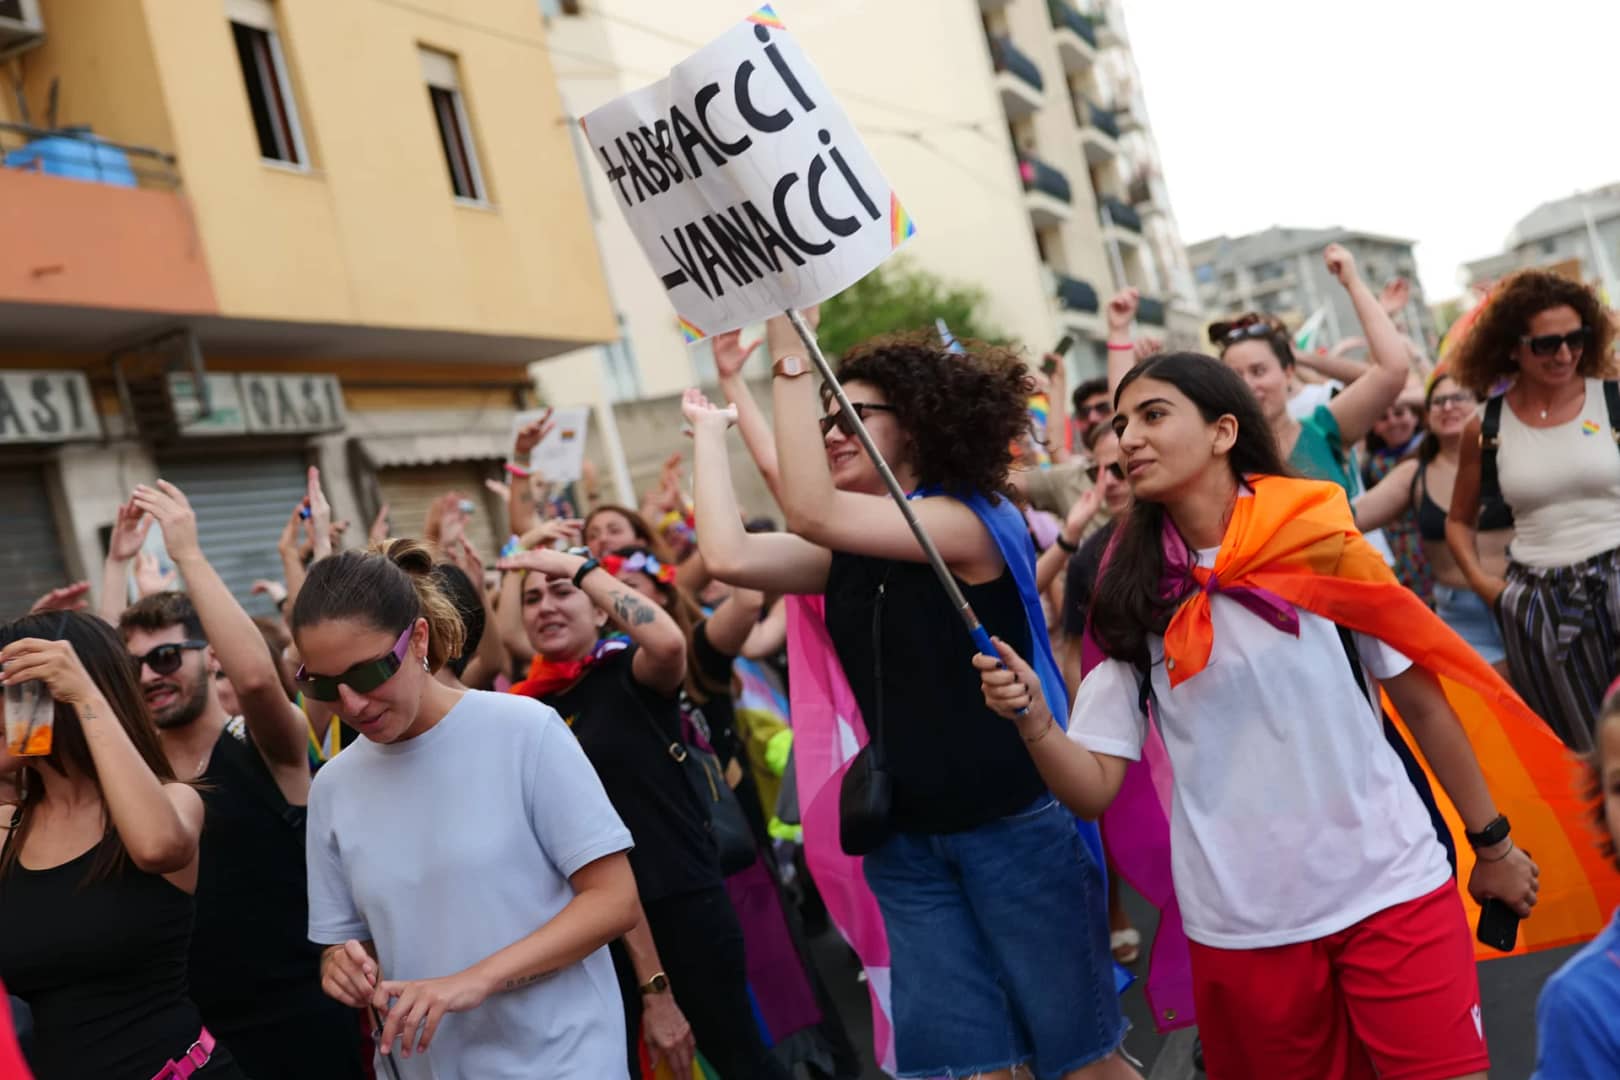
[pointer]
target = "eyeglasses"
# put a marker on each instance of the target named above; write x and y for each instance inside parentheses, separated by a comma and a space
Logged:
(362, 678)
(165, 659)
(1102, 410)
(1243, 328)
(1114, 469)
(1446, 401)
(844, 423)
(1547, 344)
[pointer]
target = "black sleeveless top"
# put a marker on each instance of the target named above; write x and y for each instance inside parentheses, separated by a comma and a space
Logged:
(1494, 512)
(103, 967)
(955, 765)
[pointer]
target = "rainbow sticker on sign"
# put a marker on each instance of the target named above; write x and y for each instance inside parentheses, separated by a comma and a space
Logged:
(692, 332)
(900, 224)
(765, 16)
(1589, 427)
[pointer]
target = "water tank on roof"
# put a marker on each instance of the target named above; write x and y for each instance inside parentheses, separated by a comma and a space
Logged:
(76, 154)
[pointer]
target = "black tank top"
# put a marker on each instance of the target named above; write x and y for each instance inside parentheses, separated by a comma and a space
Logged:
(1494, 512)
(955, 764)
(103, 967)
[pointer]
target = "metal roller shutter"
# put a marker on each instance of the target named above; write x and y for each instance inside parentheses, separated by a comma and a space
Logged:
(409, 491)
(241, 505)
(31, 561)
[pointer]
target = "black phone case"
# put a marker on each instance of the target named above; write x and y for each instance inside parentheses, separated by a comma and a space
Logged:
(1498, 926)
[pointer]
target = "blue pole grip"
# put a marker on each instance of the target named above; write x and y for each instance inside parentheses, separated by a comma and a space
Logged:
(982, 642)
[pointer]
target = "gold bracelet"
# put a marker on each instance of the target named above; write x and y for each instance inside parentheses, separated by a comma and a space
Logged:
(1050, 724)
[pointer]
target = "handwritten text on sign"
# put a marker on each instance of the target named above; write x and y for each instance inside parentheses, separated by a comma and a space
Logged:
(744, 181)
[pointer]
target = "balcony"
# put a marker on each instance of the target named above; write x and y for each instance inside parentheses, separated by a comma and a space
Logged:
(1098, 132)
(1075, 36)
(1107, 36)
(1142, 197)
(1114, 211)
(1047, 195)
(91, 224)
(1076, 295)
(1150, 311)
(1018, 80)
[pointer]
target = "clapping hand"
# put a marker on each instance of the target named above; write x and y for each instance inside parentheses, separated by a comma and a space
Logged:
(75, 597)
(168, 505)
(129, 532)
(730, 354)
(700, 412)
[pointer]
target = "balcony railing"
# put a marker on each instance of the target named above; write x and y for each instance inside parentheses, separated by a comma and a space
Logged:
(1009, 59)
(1037, 175)
(1140, 191)
(77, 154)
(1076, 295)
(1064, 16)
(1150, 311)
(1102, 119)
(1120, 214)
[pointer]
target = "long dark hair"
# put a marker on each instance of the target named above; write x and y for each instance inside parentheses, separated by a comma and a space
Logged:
(107, 662)
(1127, 606)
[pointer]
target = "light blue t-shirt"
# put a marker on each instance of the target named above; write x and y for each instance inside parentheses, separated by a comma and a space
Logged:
(453, 845)
(1578, 1014)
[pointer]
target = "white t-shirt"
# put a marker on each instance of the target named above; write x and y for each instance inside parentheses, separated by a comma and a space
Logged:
(1292, 817)
(453, 845)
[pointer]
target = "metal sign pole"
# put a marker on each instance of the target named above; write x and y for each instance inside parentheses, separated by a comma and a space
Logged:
(981, 637)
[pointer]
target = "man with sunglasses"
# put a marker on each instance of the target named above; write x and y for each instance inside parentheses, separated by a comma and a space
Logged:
(253, 974)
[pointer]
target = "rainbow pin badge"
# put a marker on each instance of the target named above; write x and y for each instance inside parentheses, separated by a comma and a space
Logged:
(1589, 427)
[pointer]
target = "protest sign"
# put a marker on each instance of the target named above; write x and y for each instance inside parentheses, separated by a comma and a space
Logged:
(744, 181)
(560, 456)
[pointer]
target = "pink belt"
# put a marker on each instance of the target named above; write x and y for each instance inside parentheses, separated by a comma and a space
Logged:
(195, 1057)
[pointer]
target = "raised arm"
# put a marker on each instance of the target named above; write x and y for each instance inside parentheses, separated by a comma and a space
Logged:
(520, 508)
(1121, 313)
(1336, 363)
(775, 561)
(159, 824)
(853, 521)
(1084, 781)
(1057, 407)
(1388, 499)
(769, 635)
(730, 356)
(1463, 518)
(728, 629)
(276, 725)
(1360, 405)
(1056, 557)
(129, 531)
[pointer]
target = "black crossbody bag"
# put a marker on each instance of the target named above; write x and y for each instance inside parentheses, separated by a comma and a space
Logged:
(707, 779)
(866, 796)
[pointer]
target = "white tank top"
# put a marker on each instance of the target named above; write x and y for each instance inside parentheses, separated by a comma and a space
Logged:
(1563, 484)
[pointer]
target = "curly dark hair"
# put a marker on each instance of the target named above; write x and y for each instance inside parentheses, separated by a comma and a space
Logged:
(1485, 354)
(963, 411)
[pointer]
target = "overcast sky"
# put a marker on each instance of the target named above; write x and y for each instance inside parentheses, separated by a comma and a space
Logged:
(1444, 121)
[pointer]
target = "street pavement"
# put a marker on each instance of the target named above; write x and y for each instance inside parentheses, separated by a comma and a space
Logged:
(1508, 990)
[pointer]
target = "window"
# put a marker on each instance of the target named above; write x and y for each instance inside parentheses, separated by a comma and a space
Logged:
(269, 90)
(455, 132)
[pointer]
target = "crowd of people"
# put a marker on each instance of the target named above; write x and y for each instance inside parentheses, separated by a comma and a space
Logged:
(532, 813)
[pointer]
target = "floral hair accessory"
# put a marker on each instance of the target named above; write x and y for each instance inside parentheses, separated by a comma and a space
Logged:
(639, 562)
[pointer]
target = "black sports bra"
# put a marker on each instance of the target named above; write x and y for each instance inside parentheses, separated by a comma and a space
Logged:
(1494, 513)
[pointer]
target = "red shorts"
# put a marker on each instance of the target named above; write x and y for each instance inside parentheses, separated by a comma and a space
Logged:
(1396, 997)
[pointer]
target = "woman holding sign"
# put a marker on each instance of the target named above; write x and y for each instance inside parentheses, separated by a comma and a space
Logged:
(973, 861)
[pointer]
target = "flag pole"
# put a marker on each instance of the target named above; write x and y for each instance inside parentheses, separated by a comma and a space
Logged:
(975, 629)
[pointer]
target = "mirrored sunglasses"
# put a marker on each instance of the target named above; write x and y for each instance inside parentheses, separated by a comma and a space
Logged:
(362, 678)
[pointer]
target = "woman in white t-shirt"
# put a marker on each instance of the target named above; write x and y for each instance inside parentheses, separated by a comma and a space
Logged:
(1304, 861)
(466, 869)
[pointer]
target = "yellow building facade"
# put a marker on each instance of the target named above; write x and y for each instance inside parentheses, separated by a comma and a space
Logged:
(247, 236)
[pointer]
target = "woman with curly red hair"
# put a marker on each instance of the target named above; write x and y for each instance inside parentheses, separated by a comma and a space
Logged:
(1547, 445)
(974, 861)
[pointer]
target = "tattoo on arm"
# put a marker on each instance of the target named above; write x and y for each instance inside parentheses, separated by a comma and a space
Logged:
(632, 610)
(522, 981)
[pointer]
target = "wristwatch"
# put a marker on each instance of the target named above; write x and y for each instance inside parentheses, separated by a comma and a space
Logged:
(790, 367)
(1492, 834)
(584, 568)
(658, 984)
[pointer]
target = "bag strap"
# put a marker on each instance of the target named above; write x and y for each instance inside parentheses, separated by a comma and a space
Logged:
(1611, 401)
(1490, 487)
(874, 729)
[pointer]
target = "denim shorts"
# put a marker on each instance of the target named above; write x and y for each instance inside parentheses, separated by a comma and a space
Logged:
(998, 946)
(1471, 617)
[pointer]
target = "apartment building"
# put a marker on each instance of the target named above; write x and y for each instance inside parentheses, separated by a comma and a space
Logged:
(1578, 235)
(1280, 271)
(1014, 131)
(248, 236)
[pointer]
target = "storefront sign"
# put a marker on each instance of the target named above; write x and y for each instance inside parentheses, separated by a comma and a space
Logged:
(259, 404)
(46, 406)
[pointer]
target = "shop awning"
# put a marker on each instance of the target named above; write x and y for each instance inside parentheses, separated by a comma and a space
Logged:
(436, 448)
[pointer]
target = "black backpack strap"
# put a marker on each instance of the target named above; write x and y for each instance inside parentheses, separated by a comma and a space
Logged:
(1611, 401)
(1490, 488)
(1144, 688)
(1352, 653)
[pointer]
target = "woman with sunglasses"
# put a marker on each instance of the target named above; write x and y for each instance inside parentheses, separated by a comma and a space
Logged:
(1553, 459)
(978, 853)
(1303, 861)
(466, 870)
(1259, 349)
(1421, 485)
(98, 868)
(685, 963)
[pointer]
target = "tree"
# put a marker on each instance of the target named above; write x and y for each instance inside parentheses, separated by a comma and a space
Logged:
(897, 297)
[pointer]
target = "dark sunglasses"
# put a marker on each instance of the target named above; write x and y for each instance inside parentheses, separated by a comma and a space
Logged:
(844, 423)
(1547, 344)
(1102, 410)
(362, 678)
(165, 659)
(1114, 469)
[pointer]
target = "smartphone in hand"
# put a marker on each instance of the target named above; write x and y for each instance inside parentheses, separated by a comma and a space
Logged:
(1498, 925)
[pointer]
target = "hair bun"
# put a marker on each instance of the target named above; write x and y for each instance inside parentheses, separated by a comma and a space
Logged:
(414, 557)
